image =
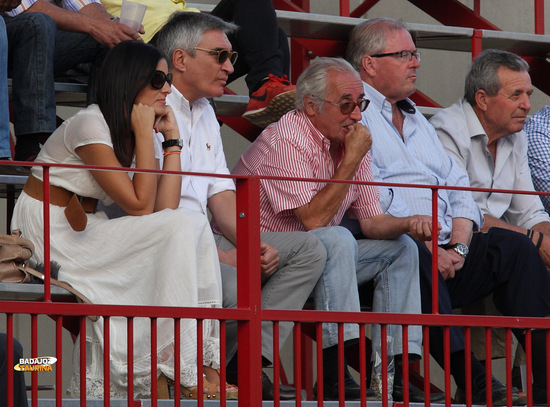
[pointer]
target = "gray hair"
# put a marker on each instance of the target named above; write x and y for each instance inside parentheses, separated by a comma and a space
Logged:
(184, 30)
(484, 72)
(314, 80)
(369, 38)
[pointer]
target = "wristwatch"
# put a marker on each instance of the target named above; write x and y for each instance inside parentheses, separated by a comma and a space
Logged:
(460, 248)
(176, 142)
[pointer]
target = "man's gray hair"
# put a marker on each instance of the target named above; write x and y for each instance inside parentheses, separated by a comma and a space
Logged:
(369, 38)
(314, 80)
(484, 72)
(184, 30)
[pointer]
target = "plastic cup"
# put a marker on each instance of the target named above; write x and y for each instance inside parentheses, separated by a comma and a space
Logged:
(131, 14)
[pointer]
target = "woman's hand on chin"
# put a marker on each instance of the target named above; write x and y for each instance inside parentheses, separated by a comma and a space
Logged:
(167, 125)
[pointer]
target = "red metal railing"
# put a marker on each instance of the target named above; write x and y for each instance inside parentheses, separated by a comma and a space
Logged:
(250, 316)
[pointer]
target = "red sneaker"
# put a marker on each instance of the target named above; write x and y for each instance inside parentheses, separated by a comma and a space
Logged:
(272, 100)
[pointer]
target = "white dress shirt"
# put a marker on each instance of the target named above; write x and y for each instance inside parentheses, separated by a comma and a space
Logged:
(202, 151)
(464, 138)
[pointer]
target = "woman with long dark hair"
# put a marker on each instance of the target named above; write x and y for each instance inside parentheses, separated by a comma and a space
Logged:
(158, 255)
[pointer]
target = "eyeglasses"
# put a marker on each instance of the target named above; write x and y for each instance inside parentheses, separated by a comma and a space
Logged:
(348, 107)
(404, 55)
(222, 54)
(160, 78)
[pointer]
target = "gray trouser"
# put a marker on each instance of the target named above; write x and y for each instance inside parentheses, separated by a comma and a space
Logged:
(301, 262)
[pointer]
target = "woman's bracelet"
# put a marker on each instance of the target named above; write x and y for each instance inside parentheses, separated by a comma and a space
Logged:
(539, 241)
(178, 152)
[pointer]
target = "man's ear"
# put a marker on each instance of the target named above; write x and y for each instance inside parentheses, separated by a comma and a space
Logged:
(481, 100)
(367, 65)
(310, 106)
(179, 60)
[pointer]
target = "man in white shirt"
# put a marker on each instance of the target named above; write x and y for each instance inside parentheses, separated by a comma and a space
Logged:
(201, 60)
(483, 133)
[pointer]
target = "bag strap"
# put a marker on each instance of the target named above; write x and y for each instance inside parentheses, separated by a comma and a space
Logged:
(79, 296)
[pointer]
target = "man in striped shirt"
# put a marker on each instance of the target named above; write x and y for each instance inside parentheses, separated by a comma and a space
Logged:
(321, 141)
(406, 149)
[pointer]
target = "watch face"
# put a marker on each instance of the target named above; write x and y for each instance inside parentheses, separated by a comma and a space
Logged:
(462, 249)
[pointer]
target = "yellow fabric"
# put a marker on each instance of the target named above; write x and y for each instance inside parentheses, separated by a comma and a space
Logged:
(156, 15)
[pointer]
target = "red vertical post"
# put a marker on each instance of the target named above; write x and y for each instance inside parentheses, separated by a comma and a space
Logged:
(34, 354)
(249, 290)
(539, 17)
(435, 268)
(106, 362)
(9, 358)
(59, 363)
(344, 8)
(46, 195)
(476, 43)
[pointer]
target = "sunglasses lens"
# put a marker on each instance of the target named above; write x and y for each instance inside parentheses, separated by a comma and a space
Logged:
(158, 79)
(222, 56)
(347, 108)
(363, 104)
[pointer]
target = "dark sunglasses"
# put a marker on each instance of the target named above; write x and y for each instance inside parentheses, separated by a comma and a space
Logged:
(160, 78)
(222, 54)
(348, 107)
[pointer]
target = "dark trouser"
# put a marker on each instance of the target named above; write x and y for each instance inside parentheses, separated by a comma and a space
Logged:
(19, 391)
(501, 262)
(262, 45)
(37, 51)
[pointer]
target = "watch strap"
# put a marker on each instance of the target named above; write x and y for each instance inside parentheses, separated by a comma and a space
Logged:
(172, 143)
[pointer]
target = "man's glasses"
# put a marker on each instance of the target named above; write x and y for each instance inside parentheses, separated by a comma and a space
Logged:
(404, 55)
(222, 54)
(160, 78)
(348, 107)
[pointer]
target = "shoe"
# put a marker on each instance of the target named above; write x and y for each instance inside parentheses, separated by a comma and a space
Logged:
(211, 391)
(539, 396)
(416, 395)
(268, 391)
(479, 391)
(272, 100)
(352, 391)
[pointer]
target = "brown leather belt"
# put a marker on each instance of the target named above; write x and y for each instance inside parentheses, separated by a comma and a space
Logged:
(76, 206)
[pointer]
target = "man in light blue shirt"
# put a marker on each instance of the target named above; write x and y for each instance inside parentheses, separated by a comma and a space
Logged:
(406, 149)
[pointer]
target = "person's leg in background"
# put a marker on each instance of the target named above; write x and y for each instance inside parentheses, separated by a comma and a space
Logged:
(31, 39)
(19, 389)
(5, 152)
(301, 262)
(264, 58)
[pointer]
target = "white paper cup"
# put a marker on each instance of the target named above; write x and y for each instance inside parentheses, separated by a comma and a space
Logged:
(131, 14)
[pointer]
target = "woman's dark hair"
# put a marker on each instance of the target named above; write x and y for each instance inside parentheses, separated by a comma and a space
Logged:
(128, 69)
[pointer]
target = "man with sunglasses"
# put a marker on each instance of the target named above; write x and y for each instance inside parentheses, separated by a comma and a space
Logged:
(260, 42)
(406, 149)
(322, 140)
(200, 58)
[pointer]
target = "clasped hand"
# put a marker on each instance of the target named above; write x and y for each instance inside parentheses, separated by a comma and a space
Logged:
(143, 117)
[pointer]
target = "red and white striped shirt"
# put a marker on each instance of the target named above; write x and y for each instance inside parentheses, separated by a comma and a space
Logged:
(294, 148)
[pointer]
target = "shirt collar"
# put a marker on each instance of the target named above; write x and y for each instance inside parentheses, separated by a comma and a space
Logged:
(315, 134)
(379, 100)
(475, 128)
(180, 102)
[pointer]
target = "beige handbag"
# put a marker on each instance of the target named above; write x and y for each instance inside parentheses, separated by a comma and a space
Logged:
(15, 252)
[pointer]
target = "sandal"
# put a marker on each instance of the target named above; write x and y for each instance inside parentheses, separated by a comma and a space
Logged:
(165, 390)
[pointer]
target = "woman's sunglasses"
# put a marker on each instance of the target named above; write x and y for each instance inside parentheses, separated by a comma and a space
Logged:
(160, 78)
(222, 54)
